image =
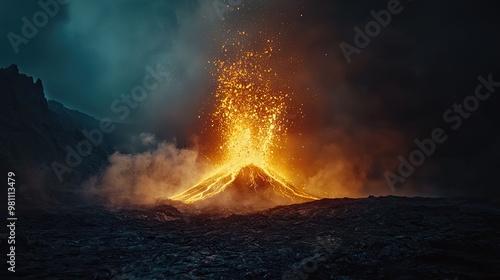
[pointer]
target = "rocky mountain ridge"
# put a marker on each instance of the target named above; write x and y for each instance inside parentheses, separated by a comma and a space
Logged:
(38, 133)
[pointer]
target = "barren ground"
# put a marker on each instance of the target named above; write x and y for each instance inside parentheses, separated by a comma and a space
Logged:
(372, 238)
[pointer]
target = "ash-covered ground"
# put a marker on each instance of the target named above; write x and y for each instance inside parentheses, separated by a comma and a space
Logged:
(371, 238)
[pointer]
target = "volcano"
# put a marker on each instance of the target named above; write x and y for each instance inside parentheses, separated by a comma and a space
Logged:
(249, 115)
(248, 187)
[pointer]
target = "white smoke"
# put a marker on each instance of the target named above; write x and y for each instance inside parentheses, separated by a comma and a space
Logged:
(146, 178)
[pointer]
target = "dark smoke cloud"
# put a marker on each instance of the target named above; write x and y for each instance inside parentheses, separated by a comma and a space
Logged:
(363, 115)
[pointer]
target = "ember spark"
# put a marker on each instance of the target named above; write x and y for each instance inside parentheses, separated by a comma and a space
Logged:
(250, 115)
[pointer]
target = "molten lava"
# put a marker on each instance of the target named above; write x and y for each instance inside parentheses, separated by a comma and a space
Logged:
(250, 116)
(248, 186)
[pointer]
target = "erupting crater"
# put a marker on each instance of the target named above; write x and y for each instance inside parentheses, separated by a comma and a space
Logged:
(249, 186)
(250, 120)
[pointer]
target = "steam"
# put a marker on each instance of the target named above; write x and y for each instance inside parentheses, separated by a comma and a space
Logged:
(146, 178)
(148, 139)
(340, 162)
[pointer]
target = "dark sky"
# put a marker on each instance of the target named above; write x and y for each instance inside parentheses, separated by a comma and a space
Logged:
(92, 52)
(426, 59)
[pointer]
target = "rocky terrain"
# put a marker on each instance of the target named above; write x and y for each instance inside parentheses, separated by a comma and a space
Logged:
(371, 238)
(40, 133)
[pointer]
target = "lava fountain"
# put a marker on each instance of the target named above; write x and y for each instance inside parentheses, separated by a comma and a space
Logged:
(250, 119)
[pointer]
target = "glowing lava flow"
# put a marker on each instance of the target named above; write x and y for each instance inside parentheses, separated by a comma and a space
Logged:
(250, 115)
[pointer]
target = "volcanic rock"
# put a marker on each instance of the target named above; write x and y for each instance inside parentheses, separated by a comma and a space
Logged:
(38, 133)
(35, 136)
(371, 238)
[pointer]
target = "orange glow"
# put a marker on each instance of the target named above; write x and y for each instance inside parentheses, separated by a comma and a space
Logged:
(250, 117)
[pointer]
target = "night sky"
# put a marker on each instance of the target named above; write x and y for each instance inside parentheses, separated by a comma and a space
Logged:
(396, 90)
